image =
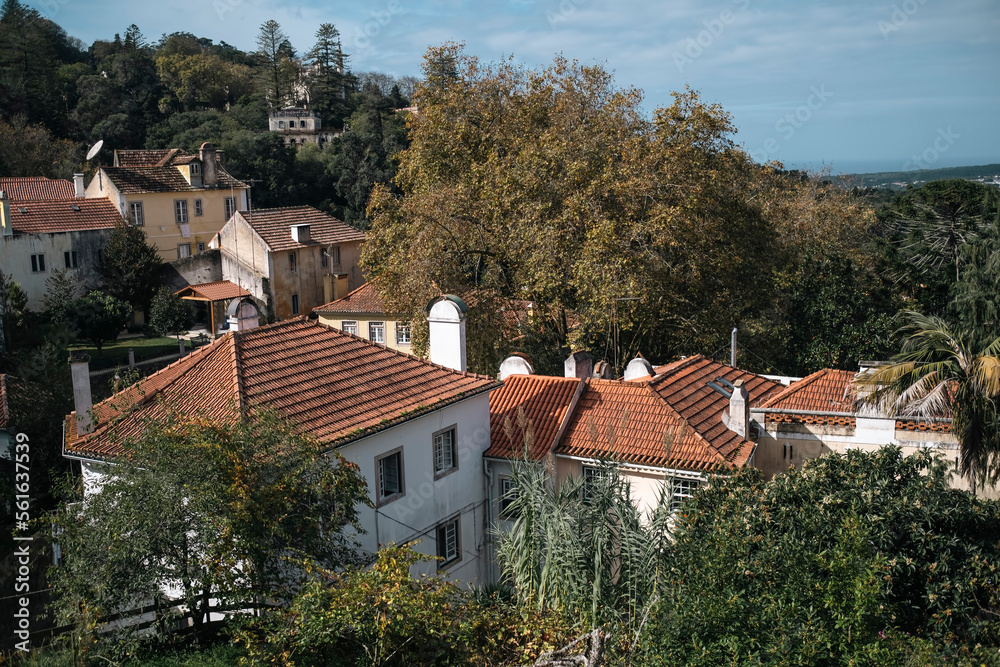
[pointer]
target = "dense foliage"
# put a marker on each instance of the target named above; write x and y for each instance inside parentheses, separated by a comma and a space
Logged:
(100, 317)
(169, 314)
(231, 509)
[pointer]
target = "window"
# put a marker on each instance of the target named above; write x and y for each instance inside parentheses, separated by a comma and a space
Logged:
(38, 263)
(230, 207)
(682, 488)
(181, 210)
(291, 262)
(350, 327)
(135, 210)
(70, 257)
(448, 544)
(196, 169)
(183, 250)
(324, 258)
(592, 478)
(201, 247)
(295, 304)
(335, 255)
(402, 334)
(376, 332)
(281, 124)
(390, 476)
(197, 207)
(291, 123)
(444, 452)
(508, 493)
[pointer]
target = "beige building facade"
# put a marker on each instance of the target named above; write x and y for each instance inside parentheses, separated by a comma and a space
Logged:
(180, 200)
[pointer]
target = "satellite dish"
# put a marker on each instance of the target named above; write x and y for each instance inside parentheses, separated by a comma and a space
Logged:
(95, 149)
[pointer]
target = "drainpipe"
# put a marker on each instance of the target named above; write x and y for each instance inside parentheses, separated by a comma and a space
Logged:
(488, 535)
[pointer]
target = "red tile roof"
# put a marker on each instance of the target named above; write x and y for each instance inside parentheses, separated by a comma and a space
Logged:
(137, 180)
(630, 423)
(529, 404)
(4, 410)
(33, 188)
(830, 390)
(146, 158)
(684, 386)
(273, 225)
(63, 215)
(364, 299)
(336, 386)
(220, 290)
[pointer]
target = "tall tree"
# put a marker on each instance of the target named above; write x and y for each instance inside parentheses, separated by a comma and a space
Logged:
(130, 267)
(943, 370)
(100, 317)
(551, 187)
(279, 70)
(327, 75)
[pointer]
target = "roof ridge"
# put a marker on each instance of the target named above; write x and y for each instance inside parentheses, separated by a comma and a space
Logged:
(795, 387)
(235, 349)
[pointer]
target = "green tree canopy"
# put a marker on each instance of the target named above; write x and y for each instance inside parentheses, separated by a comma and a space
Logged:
(100, 317)
(169, 313)
(233, 508)
(130, 268)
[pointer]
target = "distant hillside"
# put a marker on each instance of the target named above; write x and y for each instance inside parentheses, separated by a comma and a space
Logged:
(898, 180)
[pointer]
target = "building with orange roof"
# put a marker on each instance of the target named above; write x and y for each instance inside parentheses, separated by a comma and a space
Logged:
(361, 313)
(818, 415)
(416, 429)
(41, 236)
(181, 200)
(682, 422)
(291, 259)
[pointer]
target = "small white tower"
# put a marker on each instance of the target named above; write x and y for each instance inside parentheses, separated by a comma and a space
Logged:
(446, 317)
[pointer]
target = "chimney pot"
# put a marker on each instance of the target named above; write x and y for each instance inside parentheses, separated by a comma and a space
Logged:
(209, 168)
(78, 185)
(83, 401)
(446, 317)
(515, 364)
(739, 410)
(579, 365)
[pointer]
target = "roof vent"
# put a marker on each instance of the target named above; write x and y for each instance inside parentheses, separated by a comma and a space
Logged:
(21, 209)
(76, 207)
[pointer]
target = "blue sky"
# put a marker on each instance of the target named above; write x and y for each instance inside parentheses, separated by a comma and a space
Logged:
(858, 85)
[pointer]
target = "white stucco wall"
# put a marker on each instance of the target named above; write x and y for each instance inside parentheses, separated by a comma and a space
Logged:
(426, 501)
(16, 252)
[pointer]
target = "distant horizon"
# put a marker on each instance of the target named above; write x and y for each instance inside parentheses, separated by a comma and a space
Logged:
(876, 166)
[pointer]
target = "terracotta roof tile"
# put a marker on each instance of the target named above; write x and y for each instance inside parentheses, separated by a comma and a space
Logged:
(630, 423)
(336, 386)
(137, 180)
(146, 158)
(364, 299)
(273, 225)
(220, 290)
(63, 215)
(684, 386)
(33, 188)
(529, 403)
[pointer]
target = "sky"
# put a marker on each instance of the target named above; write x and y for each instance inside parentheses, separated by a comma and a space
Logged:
(849, 85)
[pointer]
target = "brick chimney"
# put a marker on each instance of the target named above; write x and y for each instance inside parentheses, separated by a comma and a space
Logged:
(79, 363)
(78, 189)
(739, 410)
(209, 168)
(446, 317)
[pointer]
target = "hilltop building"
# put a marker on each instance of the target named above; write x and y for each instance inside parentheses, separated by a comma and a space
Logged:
(298, 125)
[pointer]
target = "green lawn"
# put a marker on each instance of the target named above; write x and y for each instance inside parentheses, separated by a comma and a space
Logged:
(116, 353)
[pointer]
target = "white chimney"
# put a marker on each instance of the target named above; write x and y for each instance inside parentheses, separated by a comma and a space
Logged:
(579, 365)
(301, 234)
(78, 185)
(446, 318)
(515, 364)
(739, 410)
(5, 221)
(79, 363)
(638, 368)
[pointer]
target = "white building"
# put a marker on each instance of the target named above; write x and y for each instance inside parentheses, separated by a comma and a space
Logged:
(40, 236)
(298, 125)
(416, 430)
